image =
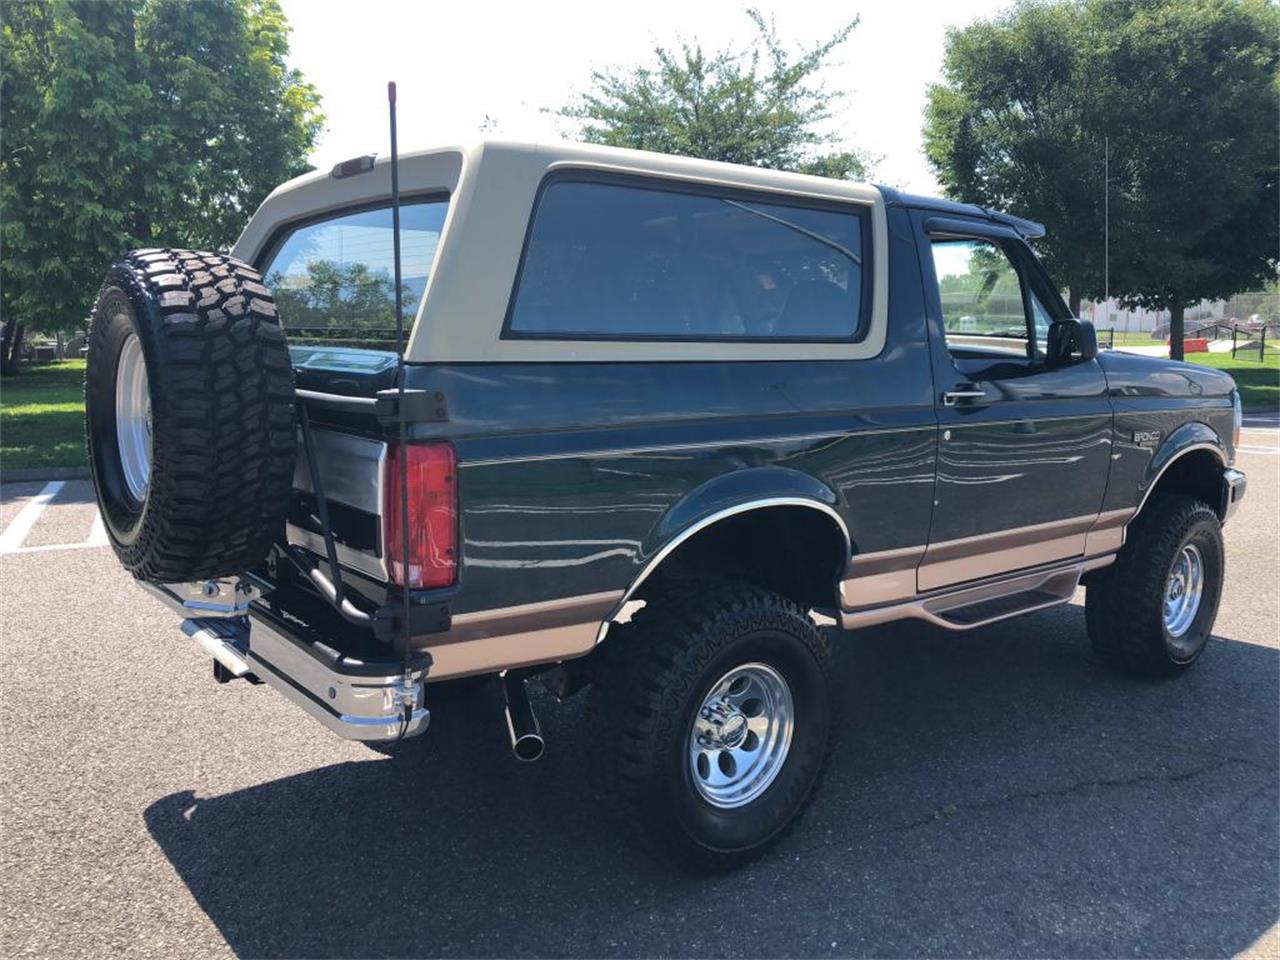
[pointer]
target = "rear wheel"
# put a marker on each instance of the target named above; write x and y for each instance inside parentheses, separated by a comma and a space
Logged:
(189, 414)
(713, 722)
(1151, 612)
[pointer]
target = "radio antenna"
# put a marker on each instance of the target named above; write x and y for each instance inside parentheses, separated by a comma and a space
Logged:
(408, 694)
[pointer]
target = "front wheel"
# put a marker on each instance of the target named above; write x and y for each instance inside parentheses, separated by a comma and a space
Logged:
(1152, 611)
(713, 719)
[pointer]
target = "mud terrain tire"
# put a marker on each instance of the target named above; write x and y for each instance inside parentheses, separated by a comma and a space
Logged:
(192, 452)
(645, 704)
(1125, 603)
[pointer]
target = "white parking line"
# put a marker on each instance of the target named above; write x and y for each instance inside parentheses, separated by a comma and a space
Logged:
(20, 526)
(1265, 451)
(46, 547)
(98, 532)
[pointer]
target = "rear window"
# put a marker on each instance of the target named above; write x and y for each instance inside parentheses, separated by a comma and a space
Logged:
(334, 279)
(611, 261)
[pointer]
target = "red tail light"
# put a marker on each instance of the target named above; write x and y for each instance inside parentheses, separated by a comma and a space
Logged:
(433, 515)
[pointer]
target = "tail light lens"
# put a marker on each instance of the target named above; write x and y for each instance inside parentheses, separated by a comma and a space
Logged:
(433, 515)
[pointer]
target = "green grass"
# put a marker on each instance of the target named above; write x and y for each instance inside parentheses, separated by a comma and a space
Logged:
(1258, 380)
(42, 416)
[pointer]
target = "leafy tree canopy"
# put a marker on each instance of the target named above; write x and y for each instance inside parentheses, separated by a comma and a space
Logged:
(133, 123)
(333, 299)
(1186, 93)
(762, 106)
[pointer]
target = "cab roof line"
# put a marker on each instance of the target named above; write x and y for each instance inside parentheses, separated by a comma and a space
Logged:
(1027, 229)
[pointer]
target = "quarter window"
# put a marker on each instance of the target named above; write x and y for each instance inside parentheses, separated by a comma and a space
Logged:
(628, 262)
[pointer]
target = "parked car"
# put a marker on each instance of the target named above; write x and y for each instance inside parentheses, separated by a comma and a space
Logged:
(658, 414)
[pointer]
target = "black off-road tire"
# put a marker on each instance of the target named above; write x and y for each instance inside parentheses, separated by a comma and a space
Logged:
(1124, 606)
(221, 408)
(648, 688)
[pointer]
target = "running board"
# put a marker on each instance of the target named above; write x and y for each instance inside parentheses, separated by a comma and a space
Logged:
(980, 604)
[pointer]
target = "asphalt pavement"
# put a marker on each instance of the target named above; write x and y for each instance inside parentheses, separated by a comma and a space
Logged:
(993, 793)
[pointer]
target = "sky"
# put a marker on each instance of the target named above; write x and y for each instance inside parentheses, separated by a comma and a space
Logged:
(462, 67)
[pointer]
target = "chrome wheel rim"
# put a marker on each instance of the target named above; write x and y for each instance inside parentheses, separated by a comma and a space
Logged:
(741, 735)
(1183, 591)
(133, 418)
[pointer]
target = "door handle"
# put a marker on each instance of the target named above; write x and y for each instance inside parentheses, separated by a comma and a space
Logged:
(963, 392)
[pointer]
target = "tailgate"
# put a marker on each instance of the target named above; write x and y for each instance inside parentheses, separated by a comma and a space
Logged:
(350, 455)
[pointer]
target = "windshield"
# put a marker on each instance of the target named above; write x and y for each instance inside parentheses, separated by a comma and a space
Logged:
(334, 279)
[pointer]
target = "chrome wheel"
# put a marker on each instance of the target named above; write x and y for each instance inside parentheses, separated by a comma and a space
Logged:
(1183, 591)
(133, 418)
(741, 735)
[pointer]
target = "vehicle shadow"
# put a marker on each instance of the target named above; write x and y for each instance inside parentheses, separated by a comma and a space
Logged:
(995, 793)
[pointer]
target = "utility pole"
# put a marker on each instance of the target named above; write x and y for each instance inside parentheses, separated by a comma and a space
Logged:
(1106, 222)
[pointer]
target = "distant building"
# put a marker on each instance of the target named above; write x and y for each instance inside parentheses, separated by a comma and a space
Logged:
(1109, 315)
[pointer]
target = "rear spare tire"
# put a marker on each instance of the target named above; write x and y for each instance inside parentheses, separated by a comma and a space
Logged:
(189, 415)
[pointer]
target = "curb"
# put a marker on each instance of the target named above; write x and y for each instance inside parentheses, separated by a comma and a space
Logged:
(44, 473)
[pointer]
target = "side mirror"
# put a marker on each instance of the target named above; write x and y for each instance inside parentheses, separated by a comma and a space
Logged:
(1070, 341)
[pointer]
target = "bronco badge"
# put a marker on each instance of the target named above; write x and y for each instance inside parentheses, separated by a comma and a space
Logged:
(1146, 437)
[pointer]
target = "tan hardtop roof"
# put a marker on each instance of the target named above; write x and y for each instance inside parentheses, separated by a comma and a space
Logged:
(439, 168)
(492, 185)
(553, 151)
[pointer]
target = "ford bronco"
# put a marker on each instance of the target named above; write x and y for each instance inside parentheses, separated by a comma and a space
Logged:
(655, 419)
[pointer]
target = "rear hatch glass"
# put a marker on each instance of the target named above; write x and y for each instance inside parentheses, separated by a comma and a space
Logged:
(333, 278)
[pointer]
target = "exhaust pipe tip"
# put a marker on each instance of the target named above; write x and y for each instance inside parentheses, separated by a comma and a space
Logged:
(526, 736)
(528, 747)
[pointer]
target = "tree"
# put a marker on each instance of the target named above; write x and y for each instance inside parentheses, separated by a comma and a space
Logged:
(1195, 89)
(1006, 129)
(763, 107)
(1186, 93)
(348, 300)
(135, 123)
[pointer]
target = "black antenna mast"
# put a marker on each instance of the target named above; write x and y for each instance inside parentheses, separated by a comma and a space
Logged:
(408, 694)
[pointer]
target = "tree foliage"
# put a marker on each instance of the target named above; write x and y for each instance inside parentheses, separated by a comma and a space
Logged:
(1006, 129)
(762, 106)
(1186, 93)
(131, 123)
(350, 300)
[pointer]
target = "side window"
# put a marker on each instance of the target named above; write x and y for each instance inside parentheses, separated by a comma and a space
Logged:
(334, 280)
(622, 262)
(983, 310)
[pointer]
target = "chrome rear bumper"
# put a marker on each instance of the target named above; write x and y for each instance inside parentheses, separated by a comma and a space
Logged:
(363, 705)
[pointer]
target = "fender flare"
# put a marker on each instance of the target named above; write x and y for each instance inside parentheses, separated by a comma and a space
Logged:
(1187, 438)
(728, 495)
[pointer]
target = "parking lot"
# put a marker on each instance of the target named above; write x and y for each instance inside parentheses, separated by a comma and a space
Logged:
(997, 792)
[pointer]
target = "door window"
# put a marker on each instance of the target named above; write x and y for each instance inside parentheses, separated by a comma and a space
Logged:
(987, 310)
